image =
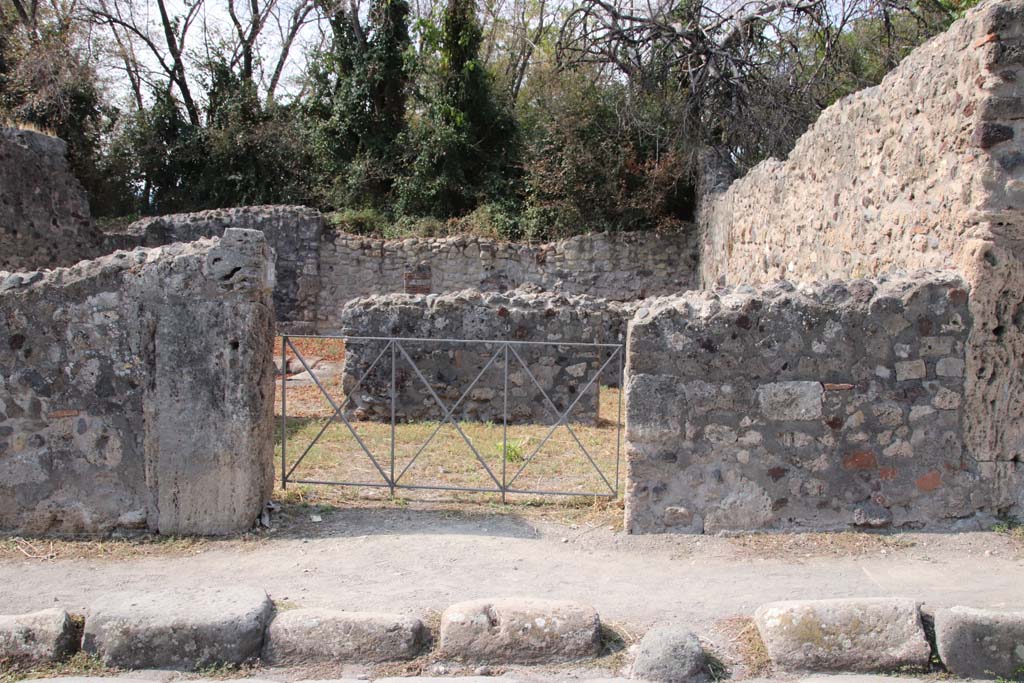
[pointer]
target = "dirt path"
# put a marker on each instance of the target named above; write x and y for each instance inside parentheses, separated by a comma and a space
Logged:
(421, 561)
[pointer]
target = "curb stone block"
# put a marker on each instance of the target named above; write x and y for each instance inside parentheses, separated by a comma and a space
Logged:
(519, 631)
(44, 636)
(183, 630)
(669, 653)
(320, 635)
(449, 679)
(978, 643)
(861, 635)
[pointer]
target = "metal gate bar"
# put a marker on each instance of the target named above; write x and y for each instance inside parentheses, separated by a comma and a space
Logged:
(506, 351)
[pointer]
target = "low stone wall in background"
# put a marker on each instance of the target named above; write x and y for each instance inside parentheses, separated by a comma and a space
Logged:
(44, 211)
(616, 266)
(822, 407)
(136, 391)
(320, 270)
(561, 371)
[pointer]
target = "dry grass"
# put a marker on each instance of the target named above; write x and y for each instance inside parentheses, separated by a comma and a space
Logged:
(316, 347)
(818, 544)
(743, 651)
(300, 501)
(25, 125)
(1014, 530)
(46, 549)
(79, 664)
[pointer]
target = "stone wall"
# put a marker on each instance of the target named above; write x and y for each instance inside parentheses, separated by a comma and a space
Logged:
(616, 266)
(562, 371)
(815, 408)
(136, 391)
(44, 212)
(292, 231)
(924, 171)
(320, 270)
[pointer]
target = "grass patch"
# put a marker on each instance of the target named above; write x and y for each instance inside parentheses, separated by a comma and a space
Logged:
(1012, 528)
(715, 668)
(745, 648)
(79, 664)
(228, 671)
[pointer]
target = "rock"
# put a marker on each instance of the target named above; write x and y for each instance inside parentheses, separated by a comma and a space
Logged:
(320, 635)
(911, 369)
(977, 643)
(872, 516)
(184, 630)
(669, 653)
(519, 631)
(861, 635)
(45, 636)
(790, 400)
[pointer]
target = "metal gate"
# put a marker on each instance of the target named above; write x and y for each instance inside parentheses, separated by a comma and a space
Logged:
(504, 354)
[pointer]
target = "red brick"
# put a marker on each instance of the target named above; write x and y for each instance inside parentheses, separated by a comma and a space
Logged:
(887, 473)
(859, 461)
(930, 481)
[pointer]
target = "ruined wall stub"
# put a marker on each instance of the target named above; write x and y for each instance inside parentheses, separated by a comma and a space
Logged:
(44, 212)
(822, 407)
(922, 171)
(136, 391)
(292, 231)
(562, 371)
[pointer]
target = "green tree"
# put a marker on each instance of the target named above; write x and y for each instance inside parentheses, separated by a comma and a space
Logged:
(358, 103)
(464, 145)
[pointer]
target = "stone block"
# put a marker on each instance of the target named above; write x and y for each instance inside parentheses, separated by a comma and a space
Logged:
(790, 400)
(45, 636)
(158, 393)
(859, 635)
(303, 636)
(670, 653)
(910, 370)
(519, 631)
(183, 630)
(978, 643)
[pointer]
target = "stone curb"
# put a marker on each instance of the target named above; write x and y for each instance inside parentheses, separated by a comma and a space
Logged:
(519, 631)
(978, 643)
(321, 635)
(864, 635)
(234, 625)
(178, 630)
(45, 636)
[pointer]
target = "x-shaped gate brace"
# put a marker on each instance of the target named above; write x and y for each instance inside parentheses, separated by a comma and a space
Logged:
(504, 348)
